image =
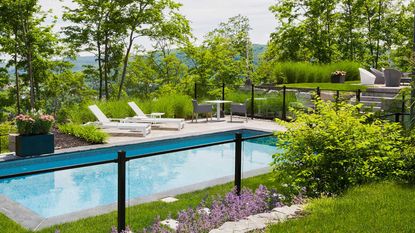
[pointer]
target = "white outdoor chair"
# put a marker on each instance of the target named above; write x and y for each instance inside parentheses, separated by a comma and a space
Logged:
(141, 117)
(106, 123)
(366, 78)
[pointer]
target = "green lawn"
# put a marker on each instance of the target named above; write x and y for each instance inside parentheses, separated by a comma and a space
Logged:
(139, 216)
(348, 86)
(377, 208)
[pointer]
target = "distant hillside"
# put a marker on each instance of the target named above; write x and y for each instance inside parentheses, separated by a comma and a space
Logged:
(90, 60)
(80, 62)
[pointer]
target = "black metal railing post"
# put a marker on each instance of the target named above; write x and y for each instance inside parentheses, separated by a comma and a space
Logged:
(318, 92)
(397, 117)
(252, 101)
(121, 190)
(337, 96)
(403, 107)
(284, 107)
(195, 91)
(358, 95)
(238, 162)
(223, 97)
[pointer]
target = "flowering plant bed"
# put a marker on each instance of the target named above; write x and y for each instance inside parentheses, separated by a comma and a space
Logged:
(34, 124)
(231, 207)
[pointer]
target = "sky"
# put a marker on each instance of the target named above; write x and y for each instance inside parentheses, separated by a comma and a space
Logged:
(205, 15)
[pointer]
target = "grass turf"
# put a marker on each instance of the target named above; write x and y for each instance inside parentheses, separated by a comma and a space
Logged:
(347, 86)
(384, 207)
(139, 216)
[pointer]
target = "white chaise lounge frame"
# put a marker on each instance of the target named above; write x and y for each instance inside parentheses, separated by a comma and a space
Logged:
(366, 78)
(106, 123)
(141, 117)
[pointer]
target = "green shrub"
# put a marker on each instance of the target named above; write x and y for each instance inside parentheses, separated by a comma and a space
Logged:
(88, 133)
(5, 129)
(329, 151)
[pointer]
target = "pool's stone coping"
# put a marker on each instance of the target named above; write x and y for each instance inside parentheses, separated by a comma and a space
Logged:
(142, 140)
(33, 221)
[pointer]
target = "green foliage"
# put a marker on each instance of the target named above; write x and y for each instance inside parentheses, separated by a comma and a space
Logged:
(301, 72)
(5, 129)
(330, 151)
(88, 133)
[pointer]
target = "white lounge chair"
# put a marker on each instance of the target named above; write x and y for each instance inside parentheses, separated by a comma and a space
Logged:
(366, 78)
(106, 123)
(147, 118)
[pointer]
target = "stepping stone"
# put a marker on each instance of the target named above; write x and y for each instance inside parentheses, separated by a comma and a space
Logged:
(169, 199)
(288, 210)
(204, 210)
(170, 223)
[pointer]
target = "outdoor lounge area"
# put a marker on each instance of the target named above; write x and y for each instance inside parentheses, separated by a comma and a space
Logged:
(184, 116)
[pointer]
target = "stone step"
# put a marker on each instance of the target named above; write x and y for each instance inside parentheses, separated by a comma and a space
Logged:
(383, 89)
(371, 103)
(373, 98)
(377, 94)
(372, 108)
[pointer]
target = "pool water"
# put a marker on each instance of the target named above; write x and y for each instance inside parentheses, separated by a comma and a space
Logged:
(57, 193)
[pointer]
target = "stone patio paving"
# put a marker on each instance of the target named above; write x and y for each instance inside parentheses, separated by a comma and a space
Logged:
(201, 127)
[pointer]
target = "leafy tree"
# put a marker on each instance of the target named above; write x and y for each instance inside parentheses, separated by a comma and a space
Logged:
(31, 43)
(375, 33)
(96, 28)
(159, 20)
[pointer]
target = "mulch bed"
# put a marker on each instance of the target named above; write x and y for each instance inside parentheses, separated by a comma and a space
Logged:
(63, 141)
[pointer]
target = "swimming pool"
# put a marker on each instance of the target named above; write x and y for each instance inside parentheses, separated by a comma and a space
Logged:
(63, 192)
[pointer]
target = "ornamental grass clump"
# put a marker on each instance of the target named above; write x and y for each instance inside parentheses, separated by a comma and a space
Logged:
(34, 124)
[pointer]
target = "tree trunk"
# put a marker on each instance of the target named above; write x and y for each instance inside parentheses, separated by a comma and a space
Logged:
(106, 65)
(378, 36)
(99, 69)
(31, 79)
(369, 28)
(412, 123)
(125, 63)
(16, 75)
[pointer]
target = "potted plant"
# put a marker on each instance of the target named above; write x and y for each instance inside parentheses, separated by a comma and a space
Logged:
(34, 137)
(338, 76)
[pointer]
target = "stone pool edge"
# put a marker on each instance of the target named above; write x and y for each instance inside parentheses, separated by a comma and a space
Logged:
(106, 146)
(32, 221)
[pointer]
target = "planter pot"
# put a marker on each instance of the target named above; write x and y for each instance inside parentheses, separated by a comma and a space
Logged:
(338, 79)
(31, 145)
